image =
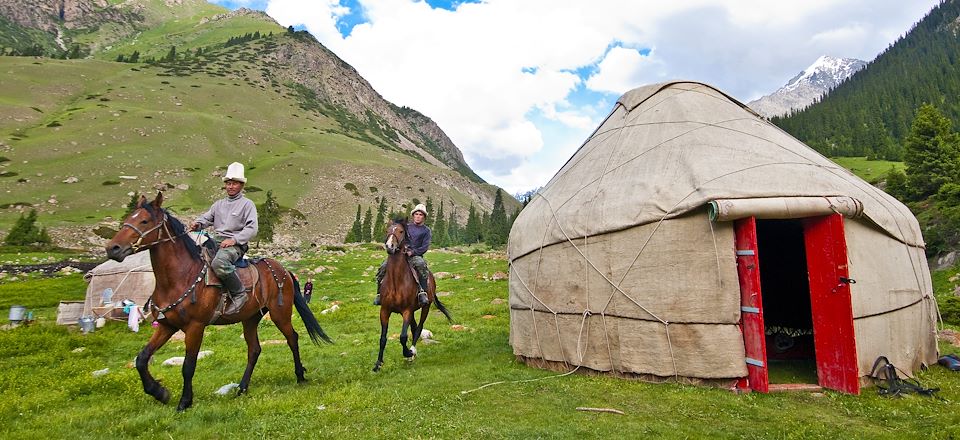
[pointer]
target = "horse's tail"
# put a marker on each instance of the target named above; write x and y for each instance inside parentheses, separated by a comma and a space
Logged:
(442, 308)
(313, 327)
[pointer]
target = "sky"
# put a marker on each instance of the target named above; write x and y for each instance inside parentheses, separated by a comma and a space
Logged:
(519, 85)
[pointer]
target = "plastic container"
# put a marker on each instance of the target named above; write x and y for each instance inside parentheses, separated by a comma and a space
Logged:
(16, 314)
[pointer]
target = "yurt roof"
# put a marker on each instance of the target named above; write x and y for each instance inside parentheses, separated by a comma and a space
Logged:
(670, 148)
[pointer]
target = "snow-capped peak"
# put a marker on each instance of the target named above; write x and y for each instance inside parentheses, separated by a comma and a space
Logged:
(824, 74)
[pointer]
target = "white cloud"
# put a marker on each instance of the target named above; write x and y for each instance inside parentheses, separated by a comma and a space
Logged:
(486, 71)
(624, 68)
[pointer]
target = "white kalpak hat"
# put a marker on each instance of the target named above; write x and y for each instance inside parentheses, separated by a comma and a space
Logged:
(235, 172)
(420, 208)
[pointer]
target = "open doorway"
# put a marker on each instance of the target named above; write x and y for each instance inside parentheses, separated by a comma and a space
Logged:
(785, 292)
(794, 289)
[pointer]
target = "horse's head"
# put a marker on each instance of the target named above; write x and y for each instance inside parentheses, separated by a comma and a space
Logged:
(141, 229)
(396, 236)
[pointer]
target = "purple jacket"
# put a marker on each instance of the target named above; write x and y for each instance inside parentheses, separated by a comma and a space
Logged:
(419, 238)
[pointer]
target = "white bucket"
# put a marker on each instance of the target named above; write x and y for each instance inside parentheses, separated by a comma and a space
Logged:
(16, 313)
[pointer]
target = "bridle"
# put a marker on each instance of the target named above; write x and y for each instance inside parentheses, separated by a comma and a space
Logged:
(137, 246)
(393, 238)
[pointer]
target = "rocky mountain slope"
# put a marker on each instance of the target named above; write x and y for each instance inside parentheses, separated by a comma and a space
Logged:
(209, 86)
(809, 85)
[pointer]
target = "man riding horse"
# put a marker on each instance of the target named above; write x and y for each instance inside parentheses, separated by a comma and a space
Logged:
(419, 236)
(234, 220)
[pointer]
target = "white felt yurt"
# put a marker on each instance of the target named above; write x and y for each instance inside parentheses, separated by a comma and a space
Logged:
(689, 239)
(132, 279)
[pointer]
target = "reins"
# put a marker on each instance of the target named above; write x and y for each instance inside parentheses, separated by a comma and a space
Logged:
(137, 246)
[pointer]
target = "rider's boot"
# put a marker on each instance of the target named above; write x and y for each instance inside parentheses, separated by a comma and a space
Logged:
(422, 294)
(238, 295)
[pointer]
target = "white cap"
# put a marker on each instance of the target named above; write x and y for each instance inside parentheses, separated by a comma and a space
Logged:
(235, 172)
(420, 208)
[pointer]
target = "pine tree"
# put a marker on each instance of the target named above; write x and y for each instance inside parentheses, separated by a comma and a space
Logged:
(429, 205)
(440, 229)
(453, 229)
(132, 204)
(380, 225)
(471, 232)
(134, 57)
(25, 232)
(171, 55)
(365, 228)
(930, 153)
(354, 235)
(269, 217)
(498, 227)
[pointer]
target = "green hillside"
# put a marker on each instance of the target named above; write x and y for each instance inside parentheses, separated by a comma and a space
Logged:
(870, 113)
(170, 125)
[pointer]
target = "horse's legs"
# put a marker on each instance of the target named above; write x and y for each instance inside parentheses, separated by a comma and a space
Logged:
(384, 323)
(282, 321)
(407, 319)
(253, 350)
(150, 385)
(419, 327)
(194, 336)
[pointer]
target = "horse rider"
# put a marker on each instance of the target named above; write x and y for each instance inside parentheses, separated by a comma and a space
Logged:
(234, 220)
(418, 238)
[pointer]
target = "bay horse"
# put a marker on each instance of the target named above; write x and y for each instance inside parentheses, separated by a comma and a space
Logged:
(398, 293)
(181, 299)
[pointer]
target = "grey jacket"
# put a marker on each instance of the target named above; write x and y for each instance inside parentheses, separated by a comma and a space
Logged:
(232, 218)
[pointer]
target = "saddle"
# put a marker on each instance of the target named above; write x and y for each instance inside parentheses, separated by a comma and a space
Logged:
(248, 274)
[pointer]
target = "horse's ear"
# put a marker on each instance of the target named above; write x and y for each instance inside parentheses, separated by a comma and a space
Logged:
(159, 200)
(142, 201)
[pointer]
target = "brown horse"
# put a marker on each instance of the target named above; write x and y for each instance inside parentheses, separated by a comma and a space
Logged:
(183, 301)
(398, 293)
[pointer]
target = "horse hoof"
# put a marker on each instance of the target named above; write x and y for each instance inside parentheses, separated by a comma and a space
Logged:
(376, 368)
(183, 406)
(302, 380)
(164, 396)
(241, 391)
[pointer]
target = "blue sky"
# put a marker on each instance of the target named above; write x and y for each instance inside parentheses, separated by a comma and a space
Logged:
(518, 85)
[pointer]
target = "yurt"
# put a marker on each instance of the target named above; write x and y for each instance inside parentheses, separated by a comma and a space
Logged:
(690, 240)
(111, 282)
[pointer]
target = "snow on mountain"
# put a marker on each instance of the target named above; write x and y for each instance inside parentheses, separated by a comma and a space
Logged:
(813, 82)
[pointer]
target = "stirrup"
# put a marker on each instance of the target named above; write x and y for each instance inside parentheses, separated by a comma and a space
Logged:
(422, 298)
(376, 300)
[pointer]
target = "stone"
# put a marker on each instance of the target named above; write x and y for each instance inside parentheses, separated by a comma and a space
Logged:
(71, 179)
(499, 276)
(497, 301)
(946, 261)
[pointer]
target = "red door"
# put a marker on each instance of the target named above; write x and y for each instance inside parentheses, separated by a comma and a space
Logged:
(830, 303)
(751, 306)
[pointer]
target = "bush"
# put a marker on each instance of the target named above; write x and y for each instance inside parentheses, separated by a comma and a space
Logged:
(949, 309)
(25, 232)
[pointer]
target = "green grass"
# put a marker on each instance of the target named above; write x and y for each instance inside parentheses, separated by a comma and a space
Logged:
(870, 170)
(47, 388)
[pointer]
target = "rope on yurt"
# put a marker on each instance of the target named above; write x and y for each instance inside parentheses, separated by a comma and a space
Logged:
(616, 286)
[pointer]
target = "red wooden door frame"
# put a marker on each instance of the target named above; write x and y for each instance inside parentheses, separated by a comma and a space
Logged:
(830, 303)
(751, 306)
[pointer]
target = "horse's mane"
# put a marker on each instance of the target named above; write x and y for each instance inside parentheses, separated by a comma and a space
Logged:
(178, 230)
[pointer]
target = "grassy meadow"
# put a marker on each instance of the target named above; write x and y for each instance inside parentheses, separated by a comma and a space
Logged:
(870, 170)
(48, 390)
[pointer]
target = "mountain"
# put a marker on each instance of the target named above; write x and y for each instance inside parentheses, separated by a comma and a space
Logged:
(809, 85)
(870, 113)
(167, 92)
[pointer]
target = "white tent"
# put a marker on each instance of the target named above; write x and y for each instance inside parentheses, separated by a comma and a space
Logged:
(130, 279)
(689, 239)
